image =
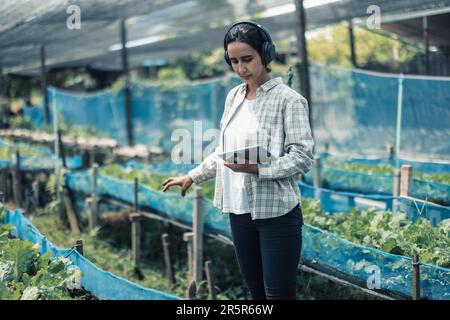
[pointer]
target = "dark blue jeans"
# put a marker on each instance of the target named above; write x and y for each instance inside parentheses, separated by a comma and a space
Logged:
(268, 253)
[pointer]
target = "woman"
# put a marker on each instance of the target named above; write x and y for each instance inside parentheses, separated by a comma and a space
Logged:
(261, 199)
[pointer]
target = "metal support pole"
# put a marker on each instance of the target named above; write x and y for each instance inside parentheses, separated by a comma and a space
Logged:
(395, 189)
(44, 86)
(352, 44)
(136, 238)
(416, 276)
(93, 201)
(62, 152)
(399, 119)
(17, 181)
(127, 93)
(426, 42)
(303, 54)
(136, 192)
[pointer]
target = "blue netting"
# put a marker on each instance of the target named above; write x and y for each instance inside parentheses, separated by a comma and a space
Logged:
(164, 168)
(168, 203)
(102, 284)
(419, 166)
(356, 111)
(378, 183)
(321, 247)
(328, 250)
(156, 110)
(340, 201)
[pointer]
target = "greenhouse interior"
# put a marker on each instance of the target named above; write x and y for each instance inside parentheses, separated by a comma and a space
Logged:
(114, 177)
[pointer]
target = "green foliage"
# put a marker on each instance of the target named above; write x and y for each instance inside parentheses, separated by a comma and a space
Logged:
(150, 179)
(387, 169)
(331, 45)
(196, 66)
(7, 152)
(27, 275)
(19, 121)
(383, 230)
(338, 174)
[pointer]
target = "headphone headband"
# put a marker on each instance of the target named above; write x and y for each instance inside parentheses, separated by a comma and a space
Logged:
(268, 52)
(265, 34)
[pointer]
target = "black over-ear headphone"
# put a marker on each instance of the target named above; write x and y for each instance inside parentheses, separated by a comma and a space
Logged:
(268, 52)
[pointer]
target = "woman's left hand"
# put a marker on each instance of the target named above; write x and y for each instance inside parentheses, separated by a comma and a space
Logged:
(245, 168)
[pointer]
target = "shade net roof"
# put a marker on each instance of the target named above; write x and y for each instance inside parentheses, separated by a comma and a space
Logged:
(160, 29)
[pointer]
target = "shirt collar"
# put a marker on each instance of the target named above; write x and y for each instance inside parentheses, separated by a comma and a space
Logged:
(266, 86)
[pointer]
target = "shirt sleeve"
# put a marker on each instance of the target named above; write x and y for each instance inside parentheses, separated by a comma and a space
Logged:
(207, 169)
(298, 144)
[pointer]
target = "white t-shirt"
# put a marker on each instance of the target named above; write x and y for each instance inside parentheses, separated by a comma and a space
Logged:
(241, 129)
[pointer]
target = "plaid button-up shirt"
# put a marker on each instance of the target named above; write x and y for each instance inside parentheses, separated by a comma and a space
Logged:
(282, 115)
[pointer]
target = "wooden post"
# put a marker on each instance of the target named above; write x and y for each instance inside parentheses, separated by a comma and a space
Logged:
(79, 247)
(316, 179)
(416, 276)
(395, 189)
(405, 180)
(61, 149)
(17, 181)
(198, 234)
(192, 291)
(70, 212)
(136, 239)
(127, 93)
(93, 212)
(210, 278)
(167, 260)
(188, 238)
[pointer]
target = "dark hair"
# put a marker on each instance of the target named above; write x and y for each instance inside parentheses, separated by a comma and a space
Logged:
(246, 33)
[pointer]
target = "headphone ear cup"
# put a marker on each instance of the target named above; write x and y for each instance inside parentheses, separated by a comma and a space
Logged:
(265, 53)
(227, 59)
(272, 51)
(268, 52)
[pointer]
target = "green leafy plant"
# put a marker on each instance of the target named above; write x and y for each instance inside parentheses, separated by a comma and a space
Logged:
(383, 230)
(150, 179)
(26, 274)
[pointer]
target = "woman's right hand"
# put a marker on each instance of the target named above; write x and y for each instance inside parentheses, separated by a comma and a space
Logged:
(184, 182)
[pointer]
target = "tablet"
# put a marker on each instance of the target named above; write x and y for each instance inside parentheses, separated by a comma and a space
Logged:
(253, 154)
